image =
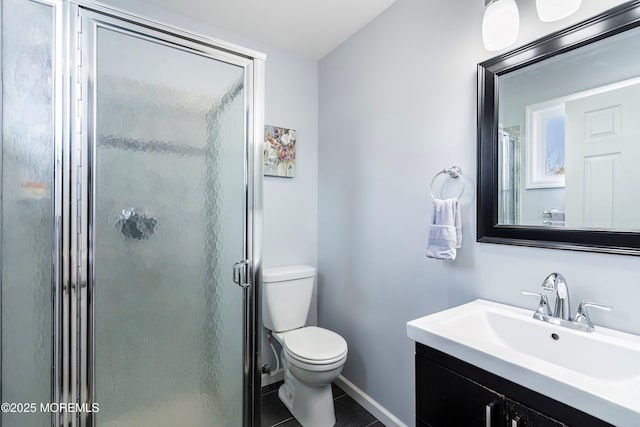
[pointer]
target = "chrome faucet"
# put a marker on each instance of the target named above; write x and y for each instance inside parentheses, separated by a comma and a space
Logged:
(555, 282)
(582, 316)
(561, 314)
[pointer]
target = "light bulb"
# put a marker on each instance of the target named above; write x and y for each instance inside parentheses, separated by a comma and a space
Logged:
(553, 10)
(500, 24)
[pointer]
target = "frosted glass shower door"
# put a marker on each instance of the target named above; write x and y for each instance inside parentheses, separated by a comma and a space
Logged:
(27, 124)
(168, 210)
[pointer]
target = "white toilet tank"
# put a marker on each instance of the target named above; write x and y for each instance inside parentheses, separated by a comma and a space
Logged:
(286, 296)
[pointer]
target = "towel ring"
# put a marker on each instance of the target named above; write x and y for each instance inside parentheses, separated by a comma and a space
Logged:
(453, 172)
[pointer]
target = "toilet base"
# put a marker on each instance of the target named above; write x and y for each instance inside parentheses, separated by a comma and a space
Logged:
(312, 406)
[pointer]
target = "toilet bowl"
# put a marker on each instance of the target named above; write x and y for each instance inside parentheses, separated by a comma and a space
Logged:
(312, 357)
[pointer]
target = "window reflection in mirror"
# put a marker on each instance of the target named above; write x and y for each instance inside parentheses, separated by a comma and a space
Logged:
(569, 139)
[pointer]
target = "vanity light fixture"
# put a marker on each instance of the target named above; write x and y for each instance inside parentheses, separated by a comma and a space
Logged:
(554, 10)
(500, 24)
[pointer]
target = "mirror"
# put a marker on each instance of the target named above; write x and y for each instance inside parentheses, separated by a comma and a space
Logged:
(559, 139)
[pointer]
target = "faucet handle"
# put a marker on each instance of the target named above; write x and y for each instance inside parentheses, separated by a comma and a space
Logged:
(582, 316)
(533, 294)
(543, 306)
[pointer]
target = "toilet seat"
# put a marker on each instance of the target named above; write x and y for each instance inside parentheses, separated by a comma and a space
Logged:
(312, 345)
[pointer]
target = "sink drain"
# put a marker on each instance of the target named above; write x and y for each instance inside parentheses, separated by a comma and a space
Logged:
(555, 336)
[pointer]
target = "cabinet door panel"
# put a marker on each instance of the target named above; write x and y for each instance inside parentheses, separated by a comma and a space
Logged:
(445, 399)
(519, 415)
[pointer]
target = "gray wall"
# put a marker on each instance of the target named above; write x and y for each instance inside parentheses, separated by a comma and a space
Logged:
(397, 104)
(290, 205)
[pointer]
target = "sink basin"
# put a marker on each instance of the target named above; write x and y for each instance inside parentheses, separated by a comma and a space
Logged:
(598, 372)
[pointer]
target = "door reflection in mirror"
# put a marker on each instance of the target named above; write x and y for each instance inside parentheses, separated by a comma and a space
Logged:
(569, 139)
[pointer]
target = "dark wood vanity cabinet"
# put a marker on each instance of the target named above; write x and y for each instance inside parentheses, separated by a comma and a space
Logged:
(451, 393)
(444, 398)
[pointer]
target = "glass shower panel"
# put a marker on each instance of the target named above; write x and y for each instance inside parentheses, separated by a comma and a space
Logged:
(27, 119)
(169, 213)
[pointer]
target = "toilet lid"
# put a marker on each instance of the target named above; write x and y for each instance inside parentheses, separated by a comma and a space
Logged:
(314, 344)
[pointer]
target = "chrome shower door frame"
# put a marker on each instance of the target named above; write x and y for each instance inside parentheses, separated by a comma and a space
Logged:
(76, 333)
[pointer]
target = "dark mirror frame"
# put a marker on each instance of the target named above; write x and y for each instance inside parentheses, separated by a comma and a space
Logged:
(609, 23)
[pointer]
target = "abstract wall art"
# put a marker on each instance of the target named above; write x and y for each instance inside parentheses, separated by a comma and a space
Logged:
(279, 151)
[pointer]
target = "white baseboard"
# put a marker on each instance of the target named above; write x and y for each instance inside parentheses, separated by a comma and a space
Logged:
(376, 409)
(268, 379)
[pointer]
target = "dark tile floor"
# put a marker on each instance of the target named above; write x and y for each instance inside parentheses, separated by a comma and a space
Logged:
(348, 412)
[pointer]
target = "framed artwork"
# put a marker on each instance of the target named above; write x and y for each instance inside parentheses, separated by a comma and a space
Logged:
(279, 151)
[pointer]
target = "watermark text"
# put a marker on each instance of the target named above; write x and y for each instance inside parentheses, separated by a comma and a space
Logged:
(49, 407)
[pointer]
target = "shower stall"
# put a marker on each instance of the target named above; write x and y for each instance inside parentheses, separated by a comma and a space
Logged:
(131, 221)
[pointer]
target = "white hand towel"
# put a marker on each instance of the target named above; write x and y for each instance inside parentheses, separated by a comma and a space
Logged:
(457, 220)
(445, 233)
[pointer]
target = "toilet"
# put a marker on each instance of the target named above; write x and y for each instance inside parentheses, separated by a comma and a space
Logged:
(312, 357)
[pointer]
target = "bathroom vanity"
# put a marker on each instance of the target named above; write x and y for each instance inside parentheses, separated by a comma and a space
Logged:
(490, 364)
(450, 392)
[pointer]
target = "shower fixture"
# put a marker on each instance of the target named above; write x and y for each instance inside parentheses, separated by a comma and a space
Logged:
(135, 225)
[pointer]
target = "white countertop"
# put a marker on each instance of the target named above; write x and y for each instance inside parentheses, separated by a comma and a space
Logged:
(597, 373)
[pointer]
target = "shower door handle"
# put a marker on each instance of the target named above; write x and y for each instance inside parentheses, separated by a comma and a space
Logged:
(240, 273)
